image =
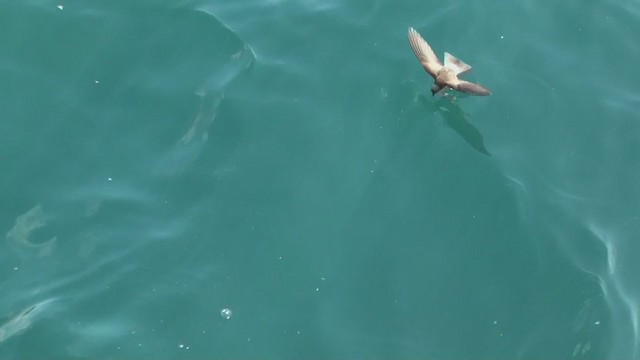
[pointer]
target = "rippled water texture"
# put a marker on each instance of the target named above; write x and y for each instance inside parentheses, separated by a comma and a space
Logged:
(273, 179)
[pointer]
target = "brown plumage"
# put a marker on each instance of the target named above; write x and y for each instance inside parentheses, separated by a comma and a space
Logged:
(445, 75)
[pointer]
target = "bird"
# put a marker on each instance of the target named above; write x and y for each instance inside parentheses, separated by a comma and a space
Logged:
(446, 76)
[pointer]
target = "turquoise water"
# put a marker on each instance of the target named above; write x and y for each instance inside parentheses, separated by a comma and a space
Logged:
(285, 160)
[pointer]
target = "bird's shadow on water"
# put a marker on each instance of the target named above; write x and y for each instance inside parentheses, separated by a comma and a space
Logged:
(455, 118)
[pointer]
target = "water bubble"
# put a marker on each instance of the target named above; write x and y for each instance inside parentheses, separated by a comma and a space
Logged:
(226, 313)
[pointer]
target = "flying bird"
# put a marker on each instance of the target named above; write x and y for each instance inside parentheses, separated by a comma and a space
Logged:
(446, 76)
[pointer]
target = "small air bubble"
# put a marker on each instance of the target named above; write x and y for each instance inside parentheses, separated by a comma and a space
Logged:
(226, 313)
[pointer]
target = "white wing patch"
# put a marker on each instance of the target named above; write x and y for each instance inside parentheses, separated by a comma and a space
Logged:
(458, 66)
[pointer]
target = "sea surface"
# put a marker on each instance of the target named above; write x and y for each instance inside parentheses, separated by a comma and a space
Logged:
(272, 179)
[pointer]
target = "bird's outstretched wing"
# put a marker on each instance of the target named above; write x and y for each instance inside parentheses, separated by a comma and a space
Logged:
(424, 53)
(471, 88)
